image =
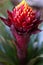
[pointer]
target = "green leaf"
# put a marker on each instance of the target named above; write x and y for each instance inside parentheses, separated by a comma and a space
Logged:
(39, 61)
(34, 51)
(36, 60)
(8, 53)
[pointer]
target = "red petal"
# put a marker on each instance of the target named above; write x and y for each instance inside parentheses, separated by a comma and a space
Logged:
(36, 31)
(6, 21)
(9, 12)
(10, 15)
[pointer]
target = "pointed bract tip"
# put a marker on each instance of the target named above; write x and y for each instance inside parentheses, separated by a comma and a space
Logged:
(9, 13)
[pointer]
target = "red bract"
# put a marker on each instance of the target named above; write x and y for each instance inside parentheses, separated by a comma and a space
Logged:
(23, 21)
(23, 18)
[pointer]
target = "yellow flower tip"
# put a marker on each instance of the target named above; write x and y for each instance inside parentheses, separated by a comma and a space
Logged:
(23, 2)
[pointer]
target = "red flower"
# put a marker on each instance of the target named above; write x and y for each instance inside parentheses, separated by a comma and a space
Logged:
(22, 20)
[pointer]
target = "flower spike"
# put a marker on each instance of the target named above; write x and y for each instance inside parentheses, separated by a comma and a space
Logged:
(23, 21)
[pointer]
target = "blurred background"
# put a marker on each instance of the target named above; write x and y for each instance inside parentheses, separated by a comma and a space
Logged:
(35, 40)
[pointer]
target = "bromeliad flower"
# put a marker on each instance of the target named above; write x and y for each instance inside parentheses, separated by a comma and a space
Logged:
(23, 21)
(23, 18)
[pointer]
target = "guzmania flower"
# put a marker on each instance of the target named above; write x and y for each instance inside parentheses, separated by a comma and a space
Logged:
(23, 21)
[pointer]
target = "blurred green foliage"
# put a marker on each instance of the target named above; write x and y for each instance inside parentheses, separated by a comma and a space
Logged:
(4, 5)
